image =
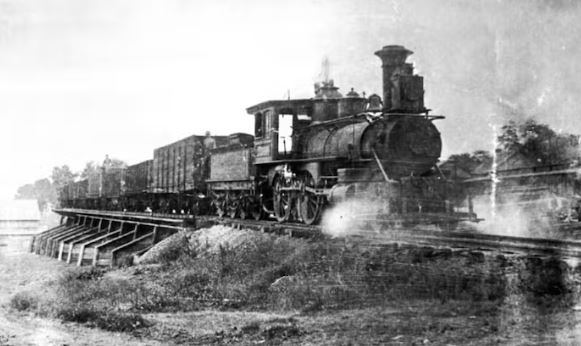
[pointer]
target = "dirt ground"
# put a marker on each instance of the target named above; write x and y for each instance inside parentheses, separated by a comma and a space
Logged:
(401, 323)
(414, 324)
(20, 270)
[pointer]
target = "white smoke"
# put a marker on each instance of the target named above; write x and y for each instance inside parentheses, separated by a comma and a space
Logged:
(517, 216)
(348, 217)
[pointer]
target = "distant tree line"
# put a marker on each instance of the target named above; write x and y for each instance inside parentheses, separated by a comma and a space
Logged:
(535, 141)
(539, 143)
(46, 190)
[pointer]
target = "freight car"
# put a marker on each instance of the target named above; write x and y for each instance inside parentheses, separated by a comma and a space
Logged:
(179, 173)
(74, 194)
(136, 195)
(102, 189)
(174, 181)
(105, 188)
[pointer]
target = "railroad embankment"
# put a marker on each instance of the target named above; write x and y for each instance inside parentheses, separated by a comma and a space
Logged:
(220, 285)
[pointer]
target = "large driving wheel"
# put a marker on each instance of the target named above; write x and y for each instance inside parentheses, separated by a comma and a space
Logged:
(281, 201)
(310, 204)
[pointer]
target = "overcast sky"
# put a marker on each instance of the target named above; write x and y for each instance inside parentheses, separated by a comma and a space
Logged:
(80, 79)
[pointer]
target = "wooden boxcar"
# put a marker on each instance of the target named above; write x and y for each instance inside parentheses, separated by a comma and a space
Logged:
(113, 182)
(105, 187)
(138, 178)
(136, 195)
(181, 166)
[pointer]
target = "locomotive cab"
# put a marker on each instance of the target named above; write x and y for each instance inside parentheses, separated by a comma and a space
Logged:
(275, 123)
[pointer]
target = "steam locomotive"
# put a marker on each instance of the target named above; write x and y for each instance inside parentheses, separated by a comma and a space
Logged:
(305, 154)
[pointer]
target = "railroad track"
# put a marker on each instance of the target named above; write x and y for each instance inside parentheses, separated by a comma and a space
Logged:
(270, 226)
(372, 237)
(478, 241)
(456, 239)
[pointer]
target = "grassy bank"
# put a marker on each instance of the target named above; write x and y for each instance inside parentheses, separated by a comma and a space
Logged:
(265, 273)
